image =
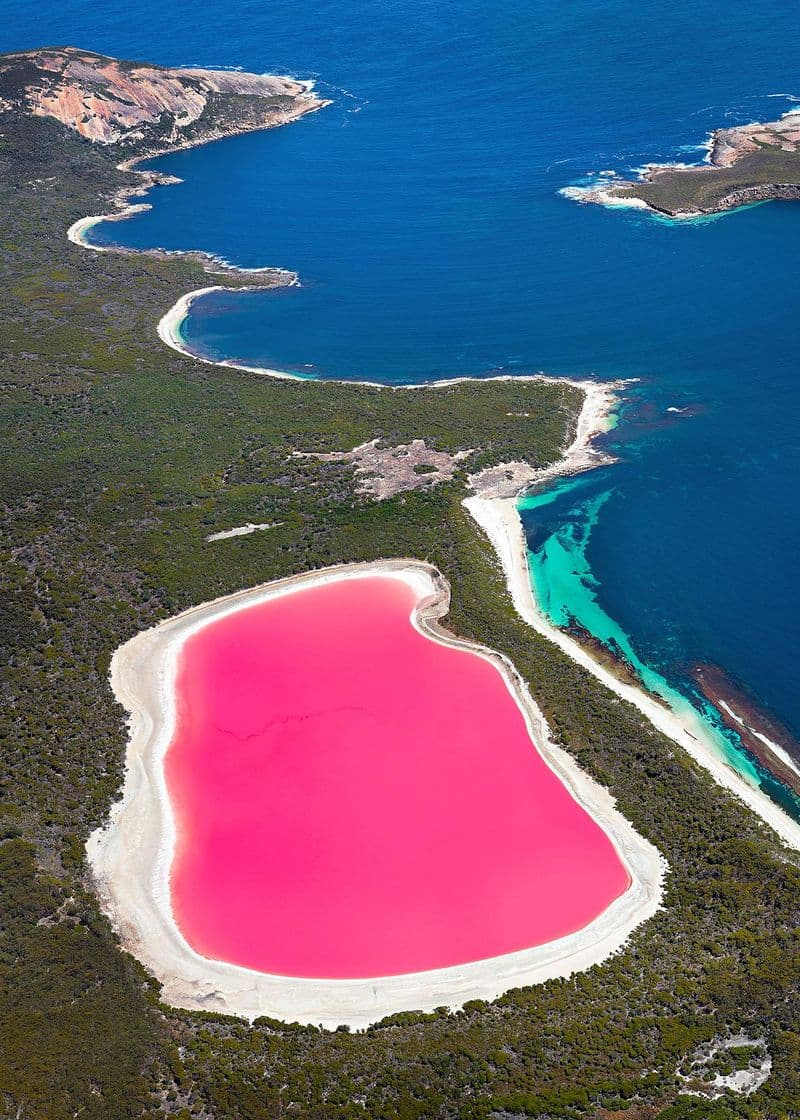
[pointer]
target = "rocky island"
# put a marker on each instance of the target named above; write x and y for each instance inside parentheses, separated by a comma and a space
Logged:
(751, 163)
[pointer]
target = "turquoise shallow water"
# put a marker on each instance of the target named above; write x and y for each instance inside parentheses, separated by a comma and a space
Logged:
(422, 212)
(560, 521)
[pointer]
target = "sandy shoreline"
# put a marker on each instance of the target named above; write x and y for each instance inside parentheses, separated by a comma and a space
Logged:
(601, 393)
(169, 327)
(131, 856)
(495, 510)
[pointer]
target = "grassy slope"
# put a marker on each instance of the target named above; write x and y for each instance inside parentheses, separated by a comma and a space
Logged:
(118, 457)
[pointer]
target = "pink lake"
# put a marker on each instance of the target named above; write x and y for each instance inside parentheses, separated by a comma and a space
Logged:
(354, 799)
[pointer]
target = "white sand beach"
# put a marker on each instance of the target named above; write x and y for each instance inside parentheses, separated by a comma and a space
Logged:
(131, 856)
(495, 510)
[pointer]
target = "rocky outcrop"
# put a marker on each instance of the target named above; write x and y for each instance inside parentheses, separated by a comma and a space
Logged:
(140, 110)
(142, 106)
(763, 192)
(383, 472)
(728, 145)
(764, 737)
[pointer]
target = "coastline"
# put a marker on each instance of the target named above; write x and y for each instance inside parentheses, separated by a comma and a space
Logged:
(168, 330)
(493, 507)
(140, 909)
(495, 511)
(764, 736)
(603, 195)
(169, 326)
(123, 207)
(131, 856)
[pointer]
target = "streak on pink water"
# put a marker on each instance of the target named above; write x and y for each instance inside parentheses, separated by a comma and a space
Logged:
(354, 799)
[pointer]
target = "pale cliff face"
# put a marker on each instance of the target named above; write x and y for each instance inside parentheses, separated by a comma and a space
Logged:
(731, 144)
(109, 102)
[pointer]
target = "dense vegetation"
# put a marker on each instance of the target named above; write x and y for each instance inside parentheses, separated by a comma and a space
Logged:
(118, 458)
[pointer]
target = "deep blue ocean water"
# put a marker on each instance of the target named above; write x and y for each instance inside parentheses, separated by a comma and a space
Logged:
(421, 211)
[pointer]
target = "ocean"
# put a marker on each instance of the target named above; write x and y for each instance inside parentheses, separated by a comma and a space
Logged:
(422, 212)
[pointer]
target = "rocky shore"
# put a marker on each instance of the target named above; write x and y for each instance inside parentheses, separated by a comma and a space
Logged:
(147, 109)
(750, 163)
(764, 736)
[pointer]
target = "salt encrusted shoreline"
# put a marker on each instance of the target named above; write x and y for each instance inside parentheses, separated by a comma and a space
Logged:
(494, 508)
(131, 856)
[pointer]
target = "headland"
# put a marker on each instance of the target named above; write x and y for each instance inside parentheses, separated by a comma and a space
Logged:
(143, 111)
(747, 164)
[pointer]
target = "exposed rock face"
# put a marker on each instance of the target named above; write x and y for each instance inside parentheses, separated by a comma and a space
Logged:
(112, 102)
(385, 471)
(506, 480)
(730, 144)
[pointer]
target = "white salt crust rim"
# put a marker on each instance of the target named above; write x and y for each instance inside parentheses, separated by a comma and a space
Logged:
(131, 856)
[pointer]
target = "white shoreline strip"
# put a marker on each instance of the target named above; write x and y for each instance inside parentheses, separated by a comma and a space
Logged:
(127, 865)
(132, 855)
(501, 522)
(125, 209)
(169, 325)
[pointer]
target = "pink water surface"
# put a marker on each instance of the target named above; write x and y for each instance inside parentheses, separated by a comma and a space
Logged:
(354, 799)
